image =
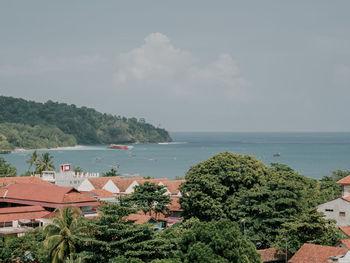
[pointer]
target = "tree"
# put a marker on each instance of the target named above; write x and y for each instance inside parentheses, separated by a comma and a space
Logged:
(44, 163)
(265, 208)
(328, 186)
(112, 236)
(148, 197)
(210, 185)
(216, 241)
(6, 170)
(307, 227)
(61, 235)
(112, 172)
(33, 160)
(78, 169)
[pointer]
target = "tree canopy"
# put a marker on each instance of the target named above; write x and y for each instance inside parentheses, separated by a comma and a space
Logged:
(6, 169)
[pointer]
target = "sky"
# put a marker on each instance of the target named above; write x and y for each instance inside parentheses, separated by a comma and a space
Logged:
(184, 65)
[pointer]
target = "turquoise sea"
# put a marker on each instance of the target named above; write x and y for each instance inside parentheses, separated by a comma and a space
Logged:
(312, 154)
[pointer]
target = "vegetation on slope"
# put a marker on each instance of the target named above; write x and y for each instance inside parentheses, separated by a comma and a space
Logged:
(87, 125)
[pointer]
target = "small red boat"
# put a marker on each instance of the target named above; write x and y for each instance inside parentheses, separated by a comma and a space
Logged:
(120, 147)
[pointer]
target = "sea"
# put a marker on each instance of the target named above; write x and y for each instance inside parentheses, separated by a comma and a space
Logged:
(311, 154)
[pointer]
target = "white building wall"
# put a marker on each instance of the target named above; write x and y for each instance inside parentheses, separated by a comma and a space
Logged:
(111, 187)
(130, 189)
(346, 190)
(345, 259)
(86, 186)
(337, 209)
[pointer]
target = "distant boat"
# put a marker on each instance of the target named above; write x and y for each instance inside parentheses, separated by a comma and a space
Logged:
(120, 147)
(276, 155)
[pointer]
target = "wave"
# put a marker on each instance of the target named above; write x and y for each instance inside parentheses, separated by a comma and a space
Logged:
(170, 143)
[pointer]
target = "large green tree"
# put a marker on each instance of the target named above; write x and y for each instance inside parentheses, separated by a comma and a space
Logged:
(148, 197)
(62, 235)
(328, 185)
(216, 241)
(211, 185)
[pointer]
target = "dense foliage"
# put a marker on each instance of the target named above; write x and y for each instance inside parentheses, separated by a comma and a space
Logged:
(148, 197)
(14, 135)
(261, 199)
(87, 125)
(6, 169)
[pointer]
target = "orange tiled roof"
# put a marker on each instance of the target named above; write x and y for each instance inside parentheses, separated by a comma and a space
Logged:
(22, 180)
(100, 193)
(99, 182)
(345, 243)
(22, 212)
(174, 205)
(345, 180)
(316, 253)
(346, 198)
(269, 254)
(33, 194)
(124, 183)
(173, 186)
(345, 230)
(141, 218)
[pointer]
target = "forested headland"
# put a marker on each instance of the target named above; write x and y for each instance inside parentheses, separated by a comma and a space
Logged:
(29, 124)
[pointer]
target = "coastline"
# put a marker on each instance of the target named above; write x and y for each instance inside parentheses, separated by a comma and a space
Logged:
(51, 149)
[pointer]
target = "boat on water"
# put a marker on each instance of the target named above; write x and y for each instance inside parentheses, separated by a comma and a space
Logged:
(276, 155)
(120, 147)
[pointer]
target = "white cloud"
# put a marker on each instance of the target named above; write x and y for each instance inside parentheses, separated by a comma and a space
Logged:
(43, 65)
(157, 67)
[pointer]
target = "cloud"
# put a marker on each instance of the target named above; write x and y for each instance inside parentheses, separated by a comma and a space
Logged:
(157, 67)
(42, 65)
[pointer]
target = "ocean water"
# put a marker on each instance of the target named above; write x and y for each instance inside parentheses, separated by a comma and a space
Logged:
(312, 154)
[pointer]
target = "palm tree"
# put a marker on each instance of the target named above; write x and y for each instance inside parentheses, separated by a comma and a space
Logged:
(44, 163)
(61, 235)
(33, 159)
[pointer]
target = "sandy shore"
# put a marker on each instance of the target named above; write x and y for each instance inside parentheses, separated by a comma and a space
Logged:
(51, 149)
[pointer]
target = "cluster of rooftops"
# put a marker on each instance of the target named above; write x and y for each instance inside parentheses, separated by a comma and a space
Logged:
(27, 202)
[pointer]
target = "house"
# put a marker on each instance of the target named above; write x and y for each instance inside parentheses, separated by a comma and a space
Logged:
(116, 184)
(66, 177)
(309, 253)
(173, 187)
(158, 220)
(22, 180)
(345, 230)
(175, 212)
(345, 243)
(15, 221)
(339, 209)
(48, 196)
(101, 195)
(270, 255)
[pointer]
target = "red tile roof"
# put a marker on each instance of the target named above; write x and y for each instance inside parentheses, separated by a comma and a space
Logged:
(173, 186)
(345, 230)
(100, 193)
(345, 180)
(174, 205)
(99, 182)
(141, 218)
(45, 195)
(270, 254)
(22, 212)
(316, 253)
(345, 243)
(22, 180)
(124, 183)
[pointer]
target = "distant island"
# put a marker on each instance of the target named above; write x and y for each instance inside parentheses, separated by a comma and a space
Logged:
(32, 125)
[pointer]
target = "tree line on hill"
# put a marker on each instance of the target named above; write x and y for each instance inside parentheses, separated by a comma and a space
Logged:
(232, 205)
(53, 124)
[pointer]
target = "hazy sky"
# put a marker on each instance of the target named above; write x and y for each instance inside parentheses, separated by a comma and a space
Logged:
(186, 65)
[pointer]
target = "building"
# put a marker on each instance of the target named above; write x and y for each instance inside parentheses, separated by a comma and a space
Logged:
(270, 255)
(66, 177)
(310, 253)
(48, 196)
(15, 221)
(339, 209)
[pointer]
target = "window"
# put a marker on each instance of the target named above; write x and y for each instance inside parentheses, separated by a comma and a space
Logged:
(341, 213)
(329, 210)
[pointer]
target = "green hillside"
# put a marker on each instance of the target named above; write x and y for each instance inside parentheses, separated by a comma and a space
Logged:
(86, 125)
